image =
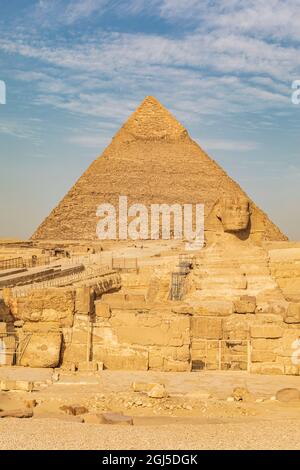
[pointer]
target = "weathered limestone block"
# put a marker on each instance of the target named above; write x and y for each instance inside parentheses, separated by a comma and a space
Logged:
(42, 350)
(3, 328)
(75, 353)
(156, 360)
(84, 300)
(139, 298)
(80, 336)
(171, 365)
(102, 309)
(150, 329)
(206, 327)
(7, 350)
(45, 305)
(236, 327)
(115, 300)
(267, 368)
(262, 344)
(277, 307)
(289, 346)
(293, 313)
(183, 353)
(19, 385)
(287, 395)
(266, 331)
(214, 308)
(118, 358)
(117, 418)
(246, 304)
(263, 356)
(90, 366)
(5, 314)
(291, 370)
(183, 309)
(40, 327)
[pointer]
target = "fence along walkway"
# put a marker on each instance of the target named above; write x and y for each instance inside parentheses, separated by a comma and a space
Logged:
(89, 273)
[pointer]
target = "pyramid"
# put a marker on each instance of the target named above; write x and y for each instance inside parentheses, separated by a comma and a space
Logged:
(150, 160)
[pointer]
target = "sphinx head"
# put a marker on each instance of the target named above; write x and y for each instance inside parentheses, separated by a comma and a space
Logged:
(234, 213)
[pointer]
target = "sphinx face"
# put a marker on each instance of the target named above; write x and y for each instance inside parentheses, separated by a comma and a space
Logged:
(234, 214)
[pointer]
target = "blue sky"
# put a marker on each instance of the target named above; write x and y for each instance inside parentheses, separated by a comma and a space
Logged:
(76, 69)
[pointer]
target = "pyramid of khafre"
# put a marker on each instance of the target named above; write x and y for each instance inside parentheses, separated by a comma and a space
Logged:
(151, 160)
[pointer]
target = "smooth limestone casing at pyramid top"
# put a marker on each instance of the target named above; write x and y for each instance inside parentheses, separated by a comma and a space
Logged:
(150, 160)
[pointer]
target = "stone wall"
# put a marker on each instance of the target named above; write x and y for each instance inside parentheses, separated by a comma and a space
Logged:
(128, 333)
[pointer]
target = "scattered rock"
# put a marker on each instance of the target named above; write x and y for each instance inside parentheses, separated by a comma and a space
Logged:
(242, 394)
(94, 418)
(158, 391)
(30, 403)
(16, 414)
(287, 395)
(74, 410)
(117, 418)
(21, 385)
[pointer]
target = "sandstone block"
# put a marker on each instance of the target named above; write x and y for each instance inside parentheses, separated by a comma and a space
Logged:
(3, 328)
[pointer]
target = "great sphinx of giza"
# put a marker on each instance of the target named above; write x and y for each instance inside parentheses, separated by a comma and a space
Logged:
(153, 160)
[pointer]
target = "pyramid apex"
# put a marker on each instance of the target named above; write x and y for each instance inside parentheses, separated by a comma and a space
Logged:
(152, 121)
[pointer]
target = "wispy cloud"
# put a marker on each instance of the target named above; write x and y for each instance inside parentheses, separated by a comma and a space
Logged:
(229, 145)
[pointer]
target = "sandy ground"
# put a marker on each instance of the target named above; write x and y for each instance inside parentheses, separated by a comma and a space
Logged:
(213, 423)
(55, 434)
